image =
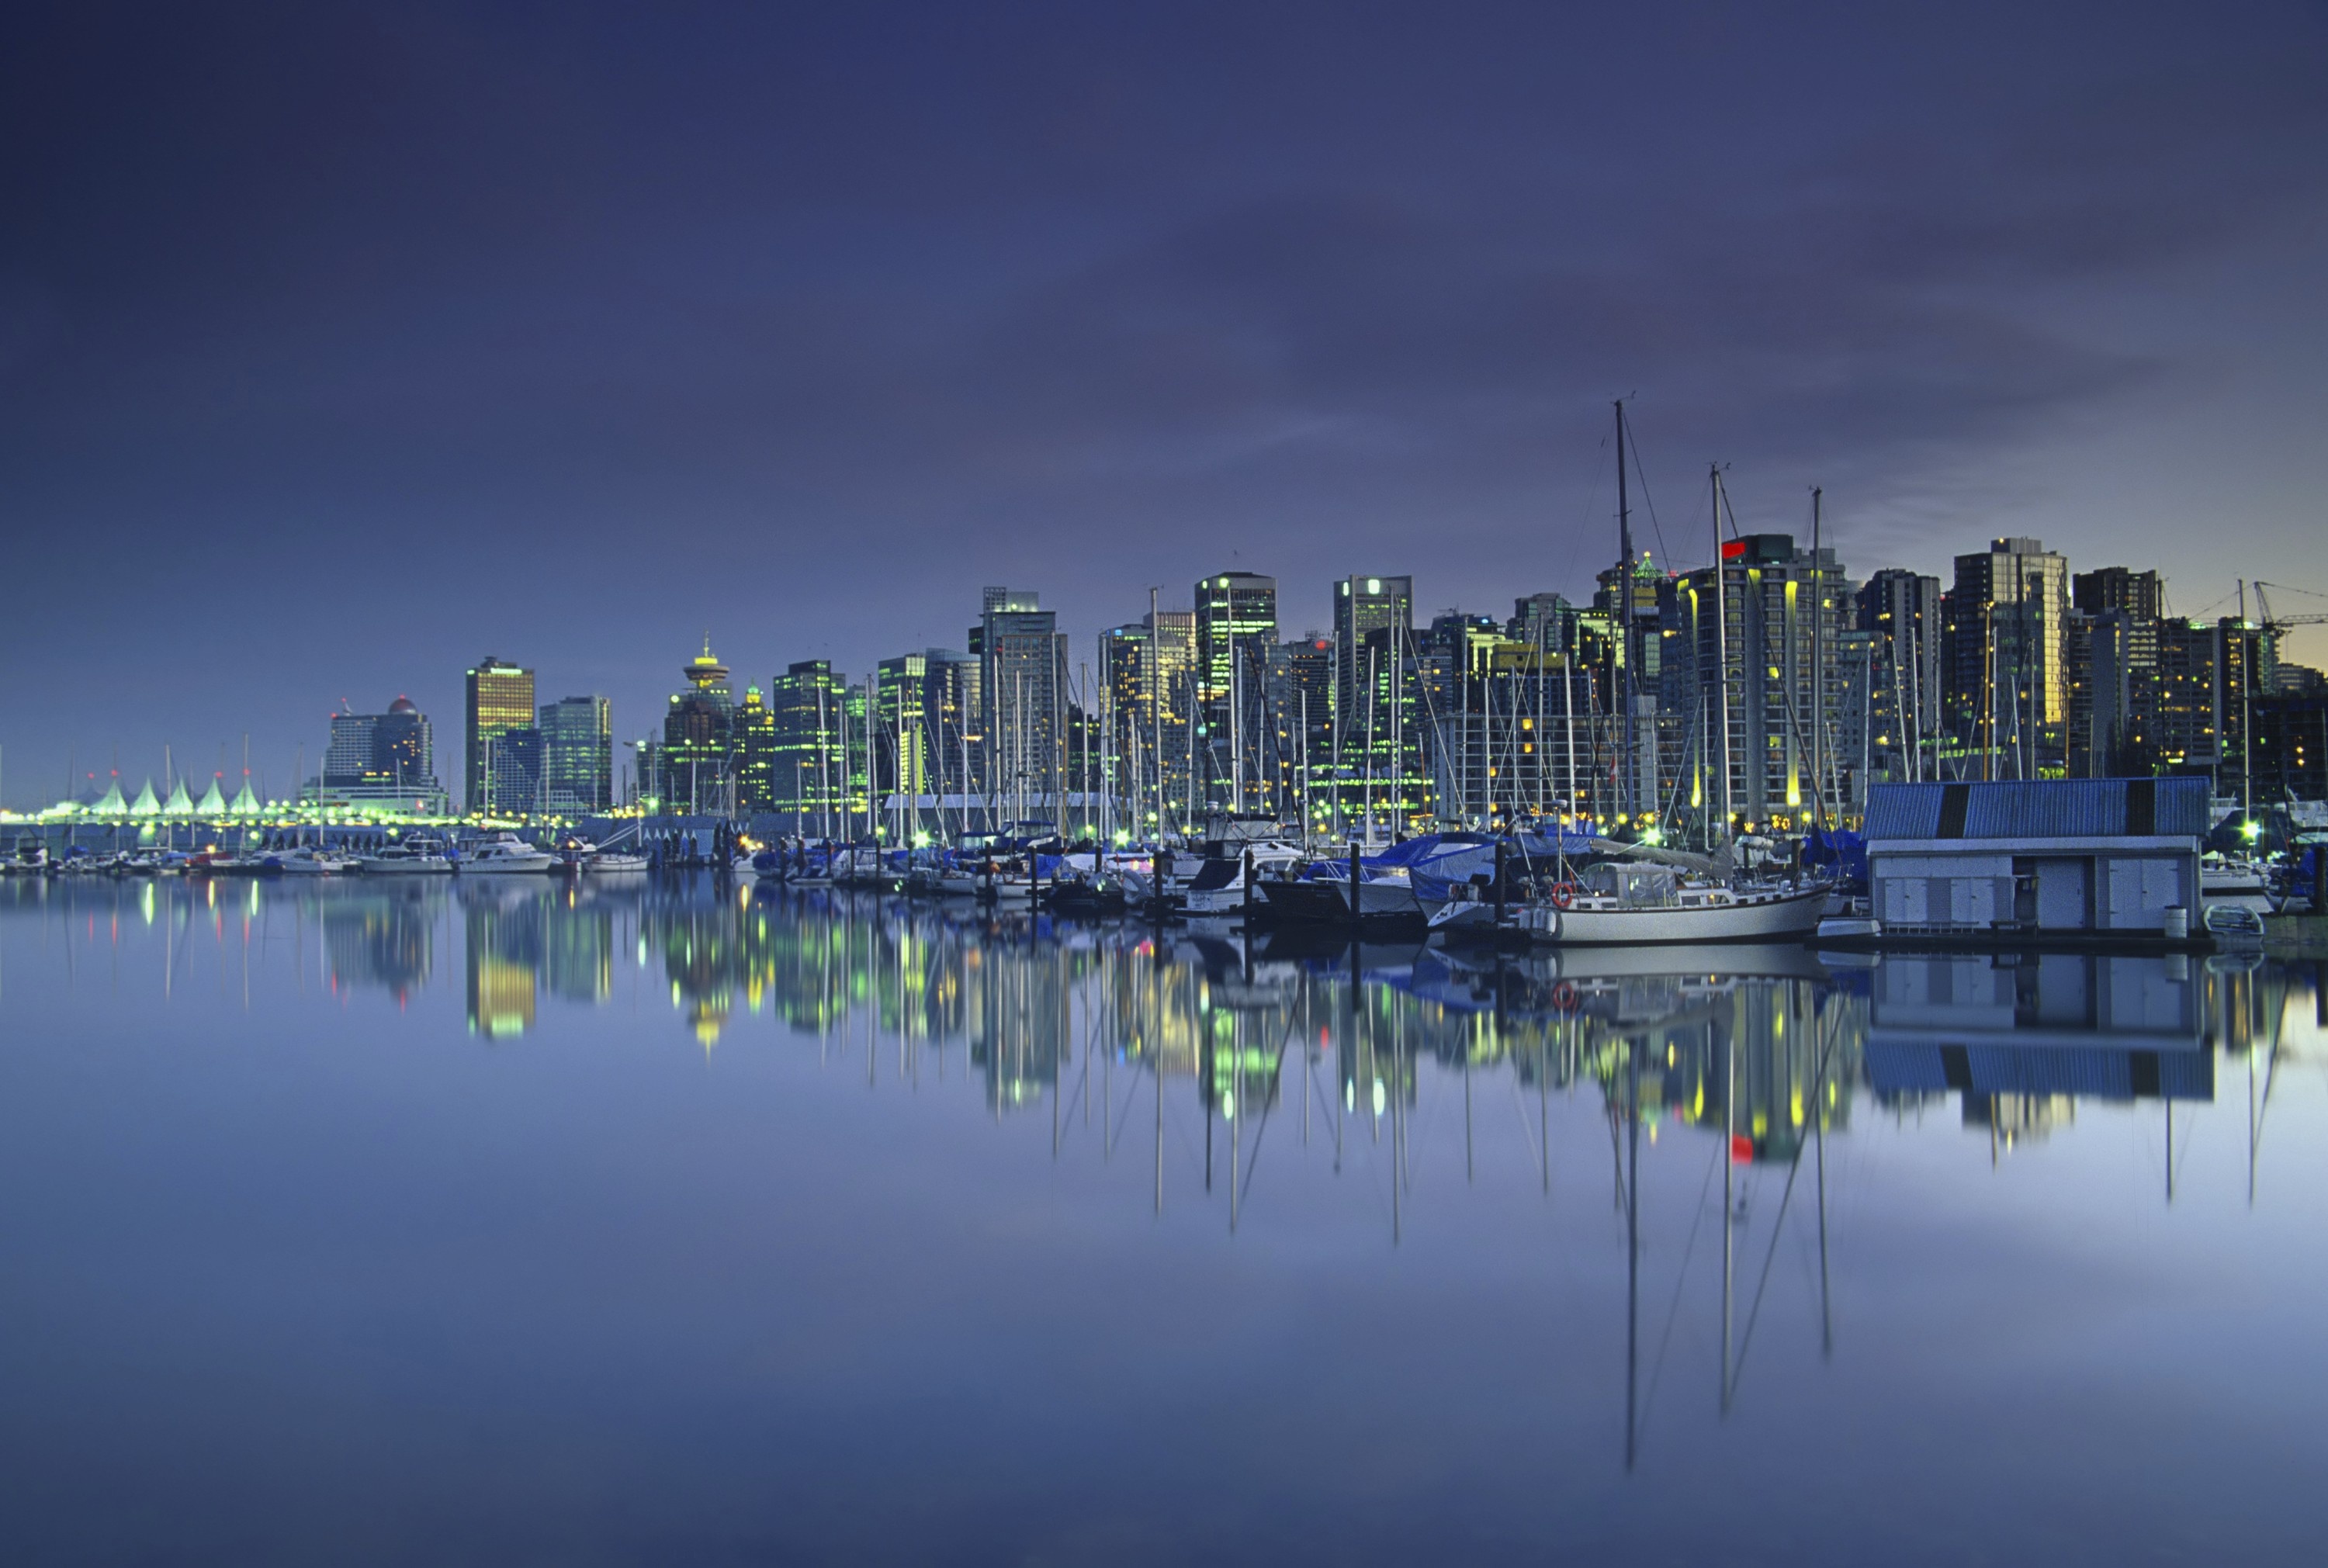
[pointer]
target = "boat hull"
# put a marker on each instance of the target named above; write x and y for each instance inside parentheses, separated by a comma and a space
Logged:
(1778, 916)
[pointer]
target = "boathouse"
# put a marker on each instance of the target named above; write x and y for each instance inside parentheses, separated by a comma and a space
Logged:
(2066, 857)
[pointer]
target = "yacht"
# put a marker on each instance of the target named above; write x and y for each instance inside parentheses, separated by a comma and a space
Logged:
(1625, 904)
(1218, 885)
(414, 856)
(304, 861)
(505, 854)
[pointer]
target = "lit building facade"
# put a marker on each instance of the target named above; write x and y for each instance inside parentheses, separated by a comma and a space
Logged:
(1236, 629)
(577, 754)
(499, 703)
(1765, 657)
(2004, 655)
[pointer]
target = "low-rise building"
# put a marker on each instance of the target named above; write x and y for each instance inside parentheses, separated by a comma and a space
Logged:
(2056, 857)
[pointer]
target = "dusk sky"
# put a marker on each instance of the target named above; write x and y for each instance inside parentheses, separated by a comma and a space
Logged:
(342, 347)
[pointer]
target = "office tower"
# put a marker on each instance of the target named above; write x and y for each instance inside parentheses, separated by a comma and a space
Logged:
(1148, 669)
(2291, 746)
(578, 755)
(1374, 701)
(806, 707)
(952, 703)
(499, 700)
(385, 760)
(751, 728)
(2005, 653)
(905, 759)
(2113, 653)
(1902, 610)
(2211, 674)
(1301, 694)
(1237, 627)
(1023, 678)
(1754, 683)
(698, 742)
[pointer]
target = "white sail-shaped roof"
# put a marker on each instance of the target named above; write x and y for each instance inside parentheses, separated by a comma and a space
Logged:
(178, 805)
(110, 803)
(147, 804)
(214, 803)
(246, 805)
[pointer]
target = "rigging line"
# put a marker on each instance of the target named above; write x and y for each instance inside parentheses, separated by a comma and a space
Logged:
(1591, 499)
(1673, 1311)
(1779, 1225)
(1130, 1093)
(1641, 472)
(1519, 1106)
(1277, 1071)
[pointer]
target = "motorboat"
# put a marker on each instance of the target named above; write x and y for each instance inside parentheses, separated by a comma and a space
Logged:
(1630, 903)
(505, 854)
(611, 860)
(29, 859)
(1218, 884)
(304, 860)
(416, 856)
(2231, 877)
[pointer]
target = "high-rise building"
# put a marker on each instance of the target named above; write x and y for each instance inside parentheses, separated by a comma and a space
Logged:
(381, 759)
(1024, 681)
(499, 700)
(752, 730)
(2005, 653)
(1372, 758)
(697, 753)
(1774, 640)
(1236, 628)
(1301, 714)
(809, 775)
(1902, 610)
(905, 753)
(2210, 675)
(577, 754)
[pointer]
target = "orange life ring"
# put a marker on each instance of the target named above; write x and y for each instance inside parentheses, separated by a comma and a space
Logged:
(1563, 894)
(1564, 996)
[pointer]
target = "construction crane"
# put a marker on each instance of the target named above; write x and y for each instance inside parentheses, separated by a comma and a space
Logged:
(2272, 623)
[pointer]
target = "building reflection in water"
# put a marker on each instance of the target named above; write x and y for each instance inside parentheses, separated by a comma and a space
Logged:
(1767, 1044)
(1741, 1062)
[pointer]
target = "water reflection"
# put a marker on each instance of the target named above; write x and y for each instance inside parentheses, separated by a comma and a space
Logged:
(1765, 1044)
(1681, 1181)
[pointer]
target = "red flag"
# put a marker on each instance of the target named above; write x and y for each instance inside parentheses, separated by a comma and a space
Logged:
(1731, 548)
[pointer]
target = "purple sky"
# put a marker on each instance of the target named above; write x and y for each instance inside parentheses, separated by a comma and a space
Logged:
(341, 348)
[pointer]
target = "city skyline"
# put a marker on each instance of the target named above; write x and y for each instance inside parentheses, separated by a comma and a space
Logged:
(615, 750)
(588, 368)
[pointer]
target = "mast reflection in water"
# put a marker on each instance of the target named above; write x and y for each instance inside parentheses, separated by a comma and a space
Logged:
(797, 1225)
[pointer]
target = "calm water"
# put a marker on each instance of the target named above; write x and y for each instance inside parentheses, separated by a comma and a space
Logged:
(676, 1224)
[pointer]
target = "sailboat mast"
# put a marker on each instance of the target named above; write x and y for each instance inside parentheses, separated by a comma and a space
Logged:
(1818, 680)
(1625, 610)
(1722, 650)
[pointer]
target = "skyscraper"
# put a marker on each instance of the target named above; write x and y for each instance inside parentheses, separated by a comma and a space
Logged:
(577, 754)
(2005, 650)
(808, 775)
(696, 749)
(384, 759)
(500, 702)
(1902, 610)
(1374, 745)
(751, 731)
(1024, 681)
(1767, 663)
(1236, 630)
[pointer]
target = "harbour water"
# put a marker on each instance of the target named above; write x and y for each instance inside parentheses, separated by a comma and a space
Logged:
(661, 1221)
